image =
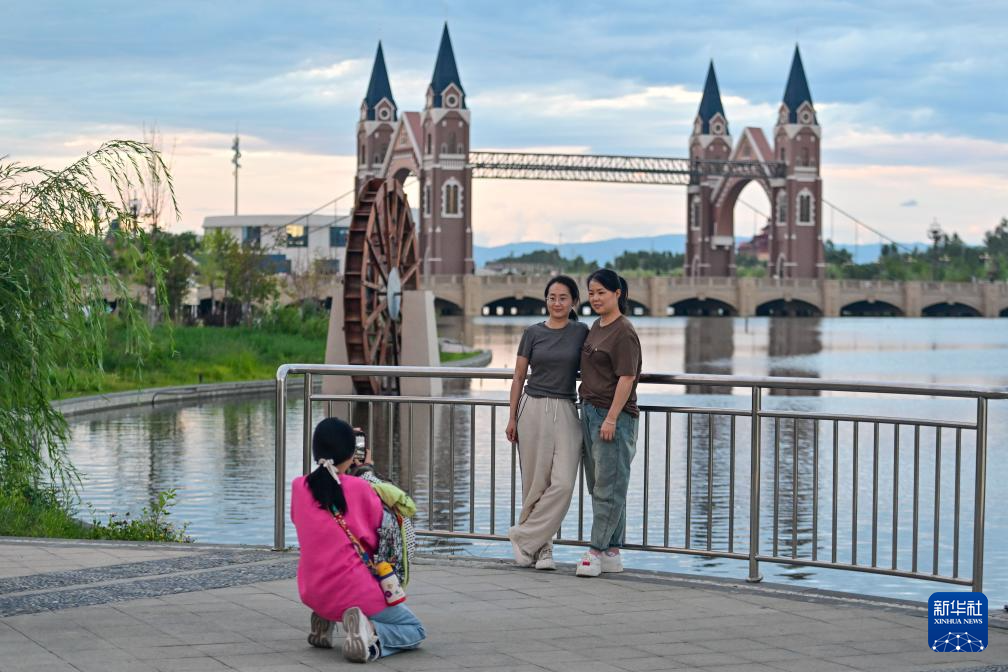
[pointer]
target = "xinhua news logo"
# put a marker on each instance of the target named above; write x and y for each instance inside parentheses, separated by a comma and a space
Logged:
(957, 622)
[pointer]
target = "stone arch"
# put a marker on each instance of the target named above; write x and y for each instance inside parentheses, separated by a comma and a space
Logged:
(509, 306)
(697, 307)
(634, 308)
(728, 199)
(951, 309)
(871, 309)
(784, 307)
(444, 307)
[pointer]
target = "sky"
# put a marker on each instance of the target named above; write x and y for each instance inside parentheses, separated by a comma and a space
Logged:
(911, 97)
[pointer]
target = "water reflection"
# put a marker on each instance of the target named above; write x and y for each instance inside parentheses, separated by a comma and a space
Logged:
(790, 342)
(709, 348)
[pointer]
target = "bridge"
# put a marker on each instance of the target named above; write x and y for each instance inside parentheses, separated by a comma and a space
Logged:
(476, 295)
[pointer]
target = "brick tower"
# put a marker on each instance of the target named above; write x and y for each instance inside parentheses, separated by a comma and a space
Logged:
(446, 178)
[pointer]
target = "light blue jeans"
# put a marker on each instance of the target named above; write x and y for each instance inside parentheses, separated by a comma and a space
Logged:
(607, 474)
(398, 629)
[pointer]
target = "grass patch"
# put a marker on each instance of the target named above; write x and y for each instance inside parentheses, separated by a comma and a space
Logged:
(456, 356)
(188, 355)
(41, 515)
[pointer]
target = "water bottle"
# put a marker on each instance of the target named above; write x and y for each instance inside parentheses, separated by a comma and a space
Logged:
(389, 582)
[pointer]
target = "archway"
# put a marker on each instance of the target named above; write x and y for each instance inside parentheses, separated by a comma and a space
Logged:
(1003, 313)
(701, 308)
(634, 309)
(751, 215)
(950, 309)
(787, 308)
(510, 306)
(871, 309)
(445, 308)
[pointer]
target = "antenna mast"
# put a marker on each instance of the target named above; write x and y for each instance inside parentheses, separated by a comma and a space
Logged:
(234, 160)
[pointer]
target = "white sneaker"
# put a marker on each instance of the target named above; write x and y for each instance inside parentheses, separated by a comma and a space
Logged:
(612, 563)
(521, 558)
(361, 645)
(544, 558)
(589, 565)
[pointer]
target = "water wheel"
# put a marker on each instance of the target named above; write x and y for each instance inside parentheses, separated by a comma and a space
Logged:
(381, 261)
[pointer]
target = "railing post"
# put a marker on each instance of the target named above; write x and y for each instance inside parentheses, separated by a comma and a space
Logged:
(306, 460)
(980, 494)
(754, 486)
(280, 458)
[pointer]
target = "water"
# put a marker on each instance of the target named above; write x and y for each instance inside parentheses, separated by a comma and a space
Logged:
(220, 455)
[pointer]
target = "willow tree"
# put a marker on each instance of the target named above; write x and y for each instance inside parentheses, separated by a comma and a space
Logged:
(57, 229)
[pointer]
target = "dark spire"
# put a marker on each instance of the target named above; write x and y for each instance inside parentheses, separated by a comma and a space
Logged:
(379, 86)
(445, 70)
(796, 92)
(710, 104)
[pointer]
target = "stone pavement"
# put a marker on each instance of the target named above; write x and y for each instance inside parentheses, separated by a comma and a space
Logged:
(118, 606)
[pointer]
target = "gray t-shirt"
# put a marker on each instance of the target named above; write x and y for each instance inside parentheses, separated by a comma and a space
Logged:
(555, 355)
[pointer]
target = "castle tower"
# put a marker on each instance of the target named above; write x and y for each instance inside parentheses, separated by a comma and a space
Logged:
(378, 116)
(445, 177)
(796, 247)
(709, 141)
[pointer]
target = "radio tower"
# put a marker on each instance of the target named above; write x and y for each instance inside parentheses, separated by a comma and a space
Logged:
(234, 160)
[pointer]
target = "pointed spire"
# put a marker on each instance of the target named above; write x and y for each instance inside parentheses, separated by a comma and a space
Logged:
(797, 90)
(710, 104)
(379, 87)
(445, 70)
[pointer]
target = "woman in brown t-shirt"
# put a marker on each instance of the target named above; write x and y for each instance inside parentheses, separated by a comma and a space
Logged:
(610, 369)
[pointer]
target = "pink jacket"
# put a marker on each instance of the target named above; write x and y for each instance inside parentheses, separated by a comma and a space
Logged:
(331, 577)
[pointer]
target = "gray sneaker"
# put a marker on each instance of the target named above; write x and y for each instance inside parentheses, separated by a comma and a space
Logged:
(321, 632)
(544, 558)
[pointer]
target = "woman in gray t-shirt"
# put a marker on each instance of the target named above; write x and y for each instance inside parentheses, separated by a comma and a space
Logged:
(544, 423)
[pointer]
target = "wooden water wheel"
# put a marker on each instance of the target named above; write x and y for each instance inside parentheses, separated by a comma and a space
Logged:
(381, 262)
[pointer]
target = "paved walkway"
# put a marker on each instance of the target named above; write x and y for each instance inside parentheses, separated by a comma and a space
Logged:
(108, 607)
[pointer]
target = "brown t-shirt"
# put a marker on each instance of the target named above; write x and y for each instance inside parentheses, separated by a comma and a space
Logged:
(608, 353)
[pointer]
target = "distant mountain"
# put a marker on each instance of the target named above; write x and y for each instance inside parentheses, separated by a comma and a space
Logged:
(604, 251)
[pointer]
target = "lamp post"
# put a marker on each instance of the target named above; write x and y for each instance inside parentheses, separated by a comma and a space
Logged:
(936, 234)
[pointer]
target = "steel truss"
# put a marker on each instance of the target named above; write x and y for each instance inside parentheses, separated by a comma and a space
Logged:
(611, 168)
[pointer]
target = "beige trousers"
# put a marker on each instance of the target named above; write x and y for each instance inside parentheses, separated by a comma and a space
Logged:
(549, 448)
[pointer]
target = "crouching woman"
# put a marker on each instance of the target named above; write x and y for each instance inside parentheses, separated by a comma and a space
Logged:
(337, 517)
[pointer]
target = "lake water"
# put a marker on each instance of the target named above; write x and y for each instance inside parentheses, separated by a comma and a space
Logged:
(220, 455)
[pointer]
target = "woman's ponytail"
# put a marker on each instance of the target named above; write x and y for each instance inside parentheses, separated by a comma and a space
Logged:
(624, 295)
(332, 443)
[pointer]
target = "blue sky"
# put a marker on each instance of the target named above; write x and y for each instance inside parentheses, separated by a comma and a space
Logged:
(910, 96)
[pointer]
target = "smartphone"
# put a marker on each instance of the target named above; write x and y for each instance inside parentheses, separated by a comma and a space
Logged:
(360, 442)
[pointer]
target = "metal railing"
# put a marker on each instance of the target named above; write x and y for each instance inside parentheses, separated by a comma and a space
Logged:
(745, 482)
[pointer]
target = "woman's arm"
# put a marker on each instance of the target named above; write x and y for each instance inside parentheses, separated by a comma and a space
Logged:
(623, 389)
(517, 383)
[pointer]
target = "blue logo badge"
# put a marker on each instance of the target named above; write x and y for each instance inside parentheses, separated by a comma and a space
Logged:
(957, 622)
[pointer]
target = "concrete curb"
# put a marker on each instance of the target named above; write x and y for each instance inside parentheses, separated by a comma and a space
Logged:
(165, 395)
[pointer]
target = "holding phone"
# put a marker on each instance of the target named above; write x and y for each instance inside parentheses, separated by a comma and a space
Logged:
(360, 443)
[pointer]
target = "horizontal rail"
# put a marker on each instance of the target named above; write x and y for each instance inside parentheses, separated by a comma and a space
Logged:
(711, 380)
(694, 473)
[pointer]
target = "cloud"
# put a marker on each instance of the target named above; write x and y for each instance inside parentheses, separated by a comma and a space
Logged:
(912, 203)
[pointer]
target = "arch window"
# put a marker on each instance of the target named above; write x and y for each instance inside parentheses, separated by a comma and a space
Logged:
(694, 213)
(426, 199)
(806, 207)
(363, 155)
(451, 143)
(783, 155)
(428, 150)
(451, 199)
(781, 208)
(805, 156)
